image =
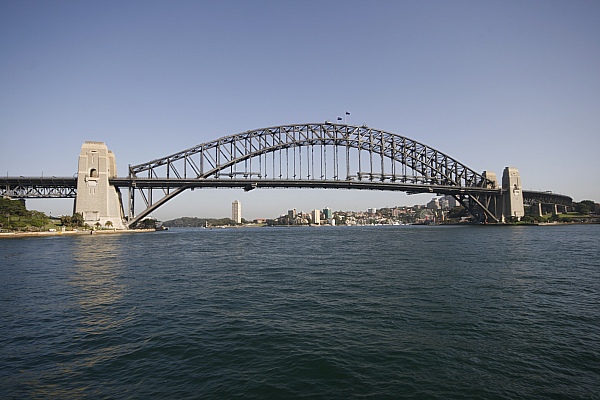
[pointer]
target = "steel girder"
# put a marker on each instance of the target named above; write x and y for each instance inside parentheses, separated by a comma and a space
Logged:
(533, 197)
(210, 158)
(33, 187)
(287, 153)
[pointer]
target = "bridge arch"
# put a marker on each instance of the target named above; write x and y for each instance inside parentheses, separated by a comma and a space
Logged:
(347, 156)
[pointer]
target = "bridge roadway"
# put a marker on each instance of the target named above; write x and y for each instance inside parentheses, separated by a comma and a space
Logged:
(66, 187)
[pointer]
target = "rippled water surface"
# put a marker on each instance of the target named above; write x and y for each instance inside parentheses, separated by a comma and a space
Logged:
(373, 312)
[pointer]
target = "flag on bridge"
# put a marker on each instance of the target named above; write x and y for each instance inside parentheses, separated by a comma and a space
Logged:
(339, 118)
(347, 112)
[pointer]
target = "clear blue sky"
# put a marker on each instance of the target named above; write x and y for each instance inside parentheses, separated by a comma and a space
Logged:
(490, 83)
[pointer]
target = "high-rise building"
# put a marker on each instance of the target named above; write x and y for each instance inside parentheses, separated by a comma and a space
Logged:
(451, 201)
(444, 204)
(316, 217)
(236, 211)
(327, 213)
(434, 204)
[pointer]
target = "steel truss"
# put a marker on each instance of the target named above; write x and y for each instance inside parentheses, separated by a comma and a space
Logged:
(531, 198)
(32, 187)
(325, 154)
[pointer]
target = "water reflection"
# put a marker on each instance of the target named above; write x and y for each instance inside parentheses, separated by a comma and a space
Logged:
(98, 283)
(80, 325)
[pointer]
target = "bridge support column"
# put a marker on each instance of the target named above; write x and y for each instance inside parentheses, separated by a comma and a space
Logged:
(97, 200)
(538, 207)
(512, 194)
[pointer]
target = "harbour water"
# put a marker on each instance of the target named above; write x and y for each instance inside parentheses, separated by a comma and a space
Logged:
(445, 312)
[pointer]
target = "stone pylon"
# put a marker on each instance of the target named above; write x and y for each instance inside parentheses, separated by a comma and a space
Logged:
(495, 205)
(512, 194)
(97, 200)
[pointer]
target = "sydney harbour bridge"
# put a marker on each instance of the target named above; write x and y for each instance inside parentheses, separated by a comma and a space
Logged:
(319, 155)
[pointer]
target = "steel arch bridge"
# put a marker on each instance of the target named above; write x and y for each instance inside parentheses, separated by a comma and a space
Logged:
(319, 155)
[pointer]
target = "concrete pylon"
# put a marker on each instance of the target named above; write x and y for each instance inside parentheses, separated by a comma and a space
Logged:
(491, 176)
(97, 200)
(512, 194)
(495, 206)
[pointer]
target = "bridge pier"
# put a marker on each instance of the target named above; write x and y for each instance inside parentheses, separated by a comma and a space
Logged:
(97, 200)
(541, 203)
(539, 210)
(512, 195)
(504, 206)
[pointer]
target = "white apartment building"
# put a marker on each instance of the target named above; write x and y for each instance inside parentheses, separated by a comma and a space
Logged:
(236, 211)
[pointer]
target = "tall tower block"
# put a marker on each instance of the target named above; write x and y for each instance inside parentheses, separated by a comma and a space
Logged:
(236, 211)
(97, 200)
(512, 194)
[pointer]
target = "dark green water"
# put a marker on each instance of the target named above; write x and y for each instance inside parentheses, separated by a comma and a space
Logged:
(284, 313)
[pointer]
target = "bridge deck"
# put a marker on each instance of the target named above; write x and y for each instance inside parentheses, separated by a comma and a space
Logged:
(249, 184)
(52, 187)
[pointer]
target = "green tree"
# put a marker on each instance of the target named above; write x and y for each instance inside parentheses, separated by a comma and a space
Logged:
(458, 212)
(529, 219)
(66, 220)
(39, 219)
(77, 219)
(584, 207)
(13, 207)
(108, 224)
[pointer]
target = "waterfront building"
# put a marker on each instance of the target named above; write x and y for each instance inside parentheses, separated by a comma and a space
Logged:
(444, 204)
(316, 217)
(452, 202)
(372, 211)
(434, 204)
(327, 213)
(236, 211)
(396, 212)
